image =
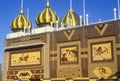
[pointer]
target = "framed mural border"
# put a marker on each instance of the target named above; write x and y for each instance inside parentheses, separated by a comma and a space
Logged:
(26, 51)
(98, 51)
(68, 48)
(101, 49)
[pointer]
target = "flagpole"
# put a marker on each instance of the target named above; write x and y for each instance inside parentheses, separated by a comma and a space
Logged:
(118, 9)
(28, 27)
(70, 4)
(21, 4)
(28, 13)
(84, 11)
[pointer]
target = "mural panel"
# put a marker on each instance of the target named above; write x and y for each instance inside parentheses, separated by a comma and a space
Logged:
(27, 58)
(68, 54)
(102, 51)
(102, 71)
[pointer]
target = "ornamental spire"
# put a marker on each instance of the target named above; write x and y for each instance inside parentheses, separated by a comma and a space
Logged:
(21, 10)
(70, 4)
(48, 3)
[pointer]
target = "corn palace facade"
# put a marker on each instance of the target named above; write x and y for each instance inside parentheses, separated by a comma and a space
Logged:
(61, 51)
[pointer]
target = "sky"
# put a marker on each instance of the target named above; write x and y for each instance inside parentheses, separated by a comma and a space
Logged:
(10, 9)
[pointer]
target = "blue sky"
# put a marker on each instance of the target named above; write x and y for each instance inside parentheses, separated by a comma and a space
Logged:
(9, 9)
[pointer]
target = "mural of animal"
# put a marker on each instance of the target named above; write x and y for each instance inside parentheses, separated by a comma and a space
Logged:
(24, 58)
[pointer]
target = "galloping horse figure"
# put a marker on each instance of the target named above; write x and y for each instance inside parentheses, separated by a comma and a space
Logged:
(24, 58)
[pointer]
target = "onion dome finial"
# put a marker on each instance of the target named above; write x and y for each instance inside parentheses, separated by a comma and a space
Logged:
(46, 16)
(70, 18)
(20, 23)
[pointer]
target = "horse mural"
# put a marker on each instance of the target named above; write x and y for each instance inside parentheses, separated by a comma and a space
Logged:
(23, 58)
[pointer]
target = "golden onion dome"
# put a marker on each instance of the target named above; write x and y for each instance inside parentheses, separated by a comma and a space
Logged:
(20, 23)
(46, 16)
(70, 18)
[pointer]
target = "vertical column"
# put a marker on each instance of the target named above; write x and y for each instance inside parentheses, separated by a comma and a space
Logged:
(84, 65)
(47, 58)
(5, 65)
